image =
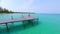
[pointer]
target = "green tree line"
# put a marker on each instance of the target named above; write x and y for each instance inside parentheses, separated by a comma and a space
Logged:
(4, 10)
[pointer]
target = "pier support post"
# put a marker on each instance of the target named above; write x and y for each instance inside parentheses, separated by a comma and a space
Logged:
(31, 22)
(24, 24)
(7, 27)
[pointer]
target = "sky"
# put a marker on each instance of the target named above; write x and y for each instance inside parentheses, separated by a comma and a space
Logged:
(38, 6)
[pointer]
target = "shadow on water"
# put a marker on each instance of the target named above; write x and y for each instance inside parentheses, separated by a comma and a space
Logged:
(18, 28)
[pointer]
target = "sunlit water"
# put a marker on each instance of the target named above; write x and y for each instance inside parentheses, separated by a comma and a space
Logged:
(48, 24)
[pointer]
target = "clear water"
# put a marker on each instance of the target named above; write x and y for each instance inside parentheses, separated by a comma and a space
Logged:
(48, 24)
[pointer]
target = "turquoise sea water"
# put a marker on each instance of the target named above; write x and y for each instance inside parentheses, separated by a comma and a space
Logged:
(48, 24)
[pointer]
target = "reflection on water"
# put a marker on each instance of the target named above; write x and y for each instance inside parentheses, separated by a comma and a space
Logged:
(16, 27)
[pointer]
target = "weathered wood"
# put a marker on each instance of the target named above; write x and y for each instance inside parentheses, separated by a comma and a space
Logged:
(17, 20)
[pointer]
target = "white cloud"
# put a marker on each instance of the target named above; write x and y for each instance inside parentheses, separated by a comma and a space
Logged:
(27, 5)
(32, 6)
(17, 5)
(0, 2)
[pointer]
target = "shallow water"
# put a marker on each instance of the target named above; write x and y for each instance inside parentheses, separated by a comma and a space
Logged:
(48, 24)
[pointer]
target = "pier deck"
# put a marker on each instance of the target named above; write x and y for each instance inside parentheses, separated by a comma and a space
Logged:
(17, 20)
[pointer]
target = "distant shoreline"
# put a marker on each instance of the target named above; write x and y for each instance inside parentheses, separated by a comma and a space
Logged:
(17, 13)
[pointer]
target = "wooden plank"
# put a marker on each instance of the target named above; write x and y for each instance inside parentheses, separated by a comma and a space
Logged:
(15, 20)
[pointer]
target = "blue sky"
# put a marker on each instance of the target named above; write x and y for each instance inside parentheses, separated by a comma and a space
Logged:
(38, 6)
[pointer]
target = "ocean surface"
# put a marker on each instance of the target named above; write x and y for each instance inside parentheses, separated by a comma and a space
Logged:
(48, 24)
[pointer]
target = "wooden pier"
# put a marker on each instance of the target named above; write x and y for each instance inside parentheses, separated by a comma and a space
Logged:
(26, 18)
